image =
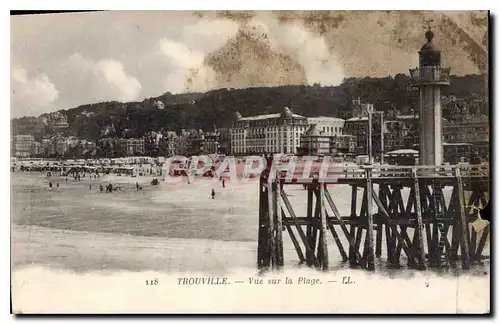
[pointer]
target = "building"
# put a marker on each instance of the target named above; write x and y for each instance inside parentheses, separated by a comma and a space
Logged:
(469, 132)
(429, 77)
(461, 139)
(410, 131)
(48, 147)
(22, 145)
(133, 146)
(224, 141)
(193, 141)
(393, 135)
(87, 146)
(271, 133)
(62, 146)
(315, 142)
(346, 144)
(358, 127)
(182, 143)
(211, 143)
(61, 123)
(328, 125)
(168, 144)
(37, 149)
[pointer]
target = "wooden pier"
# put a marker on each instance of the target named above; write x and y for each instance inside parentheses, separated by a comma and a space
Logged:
(416, 229)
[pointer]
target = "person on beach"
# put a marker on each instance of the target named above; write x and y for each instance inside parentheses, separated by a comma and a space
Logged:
(137, 186)
(90, 187)
(101, 188)
(57, 185)
(223, 183)
(66, 179)
(50, 184)
(213, 194)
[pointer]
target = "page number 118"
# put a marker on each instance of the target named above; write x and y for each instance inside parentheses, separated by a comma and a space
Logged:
(152, 282)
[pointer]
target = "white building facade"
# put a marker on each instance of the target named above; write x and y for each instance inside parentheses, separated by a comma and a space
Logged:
(328, 126)
(278, 133)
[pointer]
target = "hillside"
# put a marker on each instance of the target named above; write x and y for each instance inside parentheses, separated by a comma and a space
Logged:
(204, 110)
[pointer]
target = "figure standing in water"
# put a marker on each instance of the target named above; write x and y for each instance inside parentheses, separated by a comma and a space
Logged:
(223, 183)
(100, 187)
(90, 187)
(213, 194)
(50, 184)
(57, 185)
(137, 186)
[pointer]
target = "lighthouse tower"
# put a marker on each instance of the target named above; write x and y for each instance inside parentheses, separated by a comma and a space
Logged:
(430, 77)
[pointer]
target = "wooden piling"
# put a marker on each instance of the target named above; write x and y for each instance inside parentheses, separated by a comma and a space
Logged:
(464, 250)
(310, 227)
(263, 250)
(482, 243)
(278, 211)
(420, 225)
(323, 242)
(270, 205)
(352, 233)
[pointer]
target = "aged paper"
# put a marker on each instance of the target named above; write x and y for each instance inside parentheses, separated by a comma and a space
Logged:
(250, 162)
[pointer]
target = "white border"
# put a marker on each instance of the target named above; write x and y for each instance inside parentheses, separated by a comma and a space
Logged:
(192, 5)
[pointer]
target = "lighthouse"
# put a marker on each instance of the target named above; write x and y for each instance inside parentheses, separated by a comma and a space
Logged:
(429, 77)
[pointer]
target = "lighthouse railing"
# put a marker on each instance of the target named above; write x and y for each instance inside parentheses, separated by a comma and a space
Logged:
(430, 74)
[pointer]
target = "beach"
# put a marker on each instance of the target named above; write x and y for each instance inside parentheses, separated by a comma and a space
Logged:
(74, 249)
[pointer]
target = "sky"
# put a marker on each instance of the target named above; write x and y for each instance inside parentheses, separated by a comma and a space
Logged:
(60, 61)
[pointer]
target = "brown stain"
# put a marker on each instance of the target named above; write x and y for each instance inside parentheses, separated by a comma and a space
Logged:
(249, 59)
(239, 16)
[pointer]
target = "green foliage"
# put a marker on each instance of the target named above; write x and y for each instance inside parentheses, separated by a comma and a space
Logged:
(203, 110)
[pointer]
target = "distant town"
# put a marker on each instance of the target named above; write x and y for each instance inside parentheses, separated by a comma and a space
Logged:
(282, 132)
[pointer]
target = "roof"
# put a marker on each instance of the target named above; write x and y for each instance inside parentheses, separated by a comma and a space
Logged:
(268, 116)
(312, 131)
(326, 118)
(358, 118)
(403, 151)
(457, 144)
(407, 116)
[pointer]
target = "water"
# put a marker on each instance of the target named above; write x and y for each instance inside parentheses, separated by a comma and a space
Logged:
(165, 228)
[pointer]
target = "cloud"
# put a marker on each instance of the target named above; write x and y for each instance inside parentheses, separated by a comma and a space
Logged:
(187, 71)
(94, 81)
(127, 87)
(184, 60)
(209, 34)
(31, 94)
(179, 55)
(320, 64)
